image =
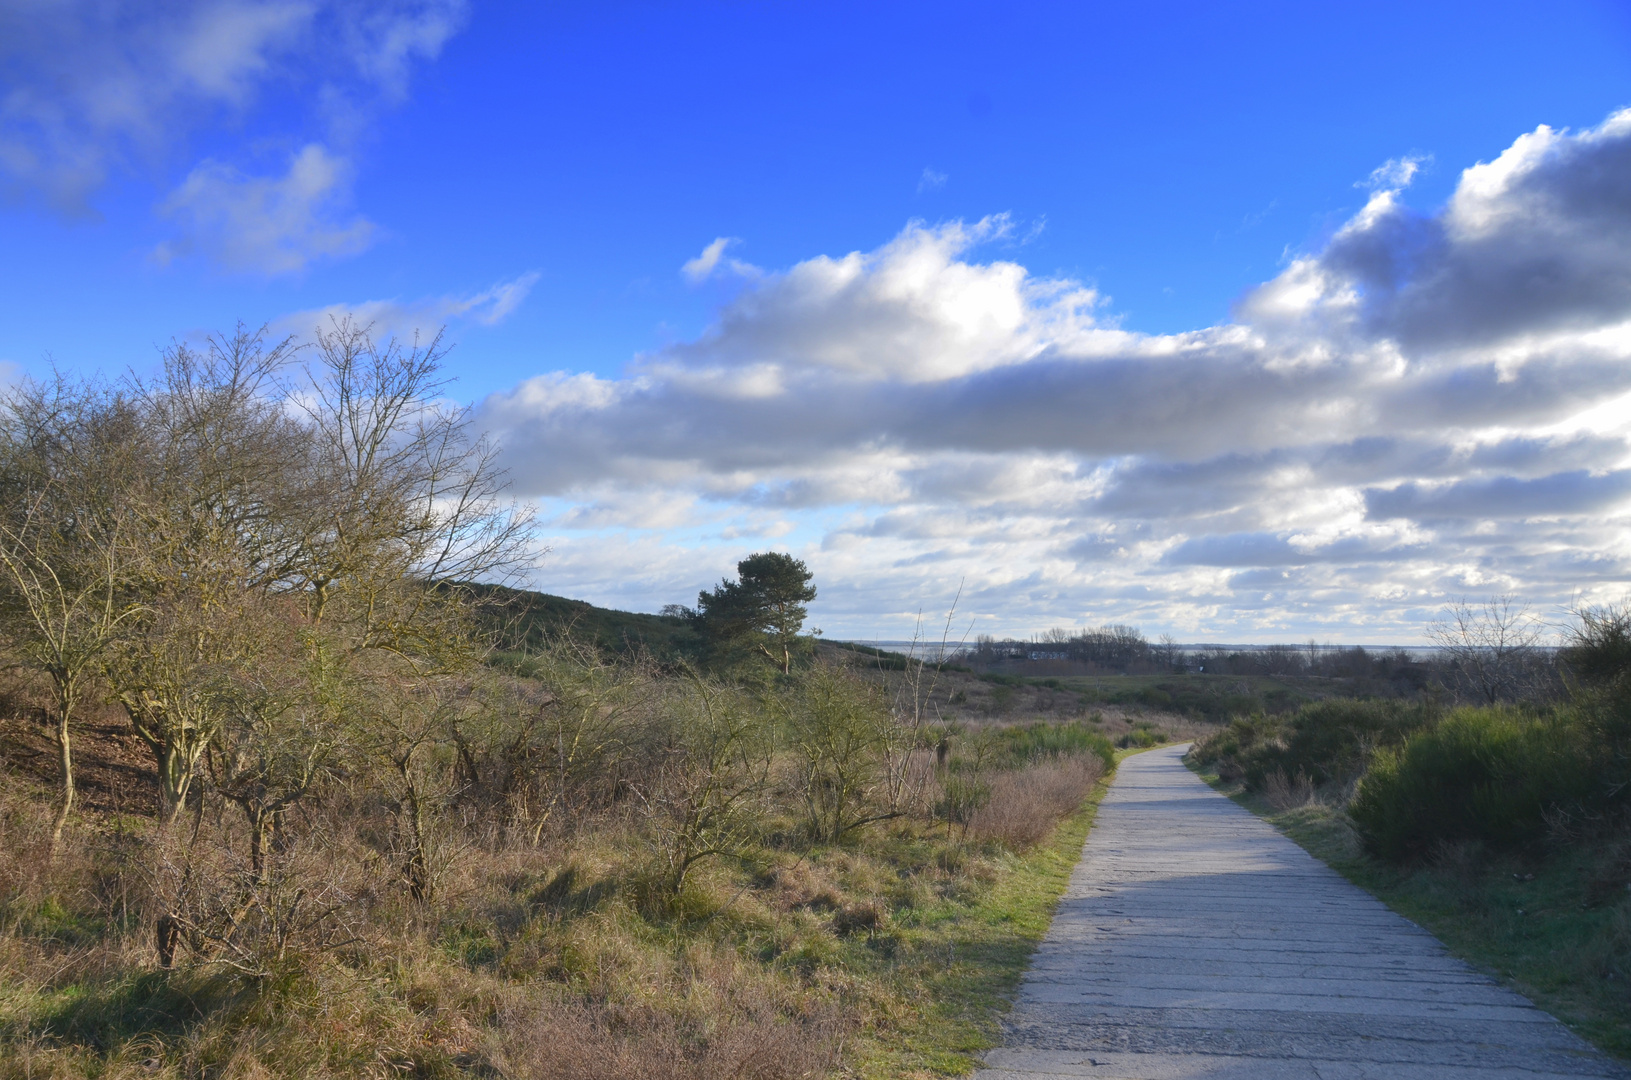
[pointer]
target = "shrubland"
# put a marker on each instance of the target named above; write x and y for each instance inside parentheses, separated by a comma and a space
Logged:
(283, 796)
(1496, 812)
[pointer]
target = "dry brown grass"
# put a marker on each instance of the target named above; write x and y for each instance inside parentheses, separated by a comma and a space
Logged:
(1288, 793)
(1025, 804)
(534, 960)
(744, 1039)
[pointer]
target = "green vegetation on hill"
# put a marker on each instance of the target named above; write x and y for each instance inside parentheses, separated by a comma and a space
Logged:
(1213, 698)
(524, 621)
(1202, 697)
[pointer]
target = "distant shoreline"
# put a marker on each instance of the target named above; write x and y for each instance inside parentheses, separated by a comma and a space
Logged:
(900, 645)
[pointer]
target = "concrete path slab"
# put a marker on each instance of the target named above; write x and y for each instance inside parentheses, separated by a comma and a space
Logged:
(1196, 941)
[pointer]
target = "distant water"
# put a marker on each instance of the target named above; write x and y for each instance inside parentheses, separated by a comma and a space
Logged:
(1416, 652)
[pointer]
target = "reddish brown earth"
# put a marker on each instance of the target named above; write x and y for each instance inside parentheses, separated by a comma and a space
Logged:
(113, 769)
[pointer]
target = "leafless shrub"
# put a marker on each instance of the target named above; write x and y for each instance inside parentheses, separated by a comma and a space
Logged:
(1024, 804)
(587, 741)
(1288, 793)
(1492, 650)
(841, 733)
(217, 907)
(705, 801)
(921, 771)
(913, 707)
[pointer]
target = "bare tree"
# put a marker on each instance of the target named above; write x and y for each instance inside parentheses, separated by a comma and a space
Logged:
(1598, 646)
(281, 731)
(64, 544)
(1492, 648)
(588, 725)
(191, 640)
(410, 727)
(718, 767)
(407, 496)
(147, 530)
(217, 496)
(840, 728)
(358, 494)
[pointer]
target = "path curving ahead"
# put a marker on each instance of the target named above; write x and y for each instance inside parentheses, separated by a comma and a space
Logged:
(1196, 941)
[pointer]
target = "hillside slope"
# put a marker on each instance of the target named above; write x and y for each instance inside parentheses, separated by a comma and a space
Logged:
(524, 619)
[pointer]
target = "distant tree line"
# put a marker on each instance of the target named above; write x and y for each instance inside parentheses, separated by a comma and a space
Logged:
(1488, 652)
(1110, 648)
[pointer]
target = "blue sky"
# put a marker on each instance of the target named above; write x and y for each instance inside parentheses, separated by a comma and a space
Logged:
(943, 225)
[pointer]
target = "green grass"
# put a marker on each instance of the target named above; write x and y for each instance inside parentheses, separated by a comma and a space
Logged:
(964, 962)
(524, 620)
(1555, 928)
(961, 962)
(1198, 696)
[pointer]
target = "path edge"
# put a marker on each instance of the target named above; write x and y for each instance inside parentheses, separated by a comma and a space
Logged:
(1238, 795)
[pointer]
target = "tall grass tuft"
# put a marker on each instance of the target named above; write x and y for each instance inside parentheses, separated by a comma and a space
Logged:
(1024, 805)
(1288, 793)
(1020, 744)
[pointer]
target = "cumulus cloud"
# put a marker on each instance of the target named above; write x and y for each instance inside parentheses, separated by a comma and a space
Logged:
(1433, 403)
(89, 89)
(1531, 244)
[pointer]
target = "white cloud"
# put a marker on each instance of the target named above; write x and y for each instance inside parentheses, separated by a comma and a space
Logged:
(404, 319)
(492, 306)
(85, 87)
(267, 225)
(931, 180)
(713, 260)
(1421, 408)
(383, 41)
(1395, 173)
(91, 89)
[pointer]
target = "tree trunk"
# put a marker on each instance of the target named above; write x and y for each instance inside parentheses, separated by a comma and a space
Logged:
(65, 757)
(417, 869)
(257, 844)
(166, 936)
(175, 779)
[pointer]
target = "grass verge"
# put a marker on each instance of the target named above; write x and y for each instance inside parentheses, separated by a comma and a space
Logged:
(962, 963)
(1552, 929)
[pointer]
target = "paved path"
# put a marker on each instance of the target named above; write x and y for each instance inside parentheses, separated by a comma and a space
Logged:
(1196, 941)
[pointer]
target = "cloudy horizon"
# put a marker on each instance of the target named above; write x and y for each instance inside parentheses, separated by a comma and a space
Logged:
(1225, 361)
(1432, 406)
